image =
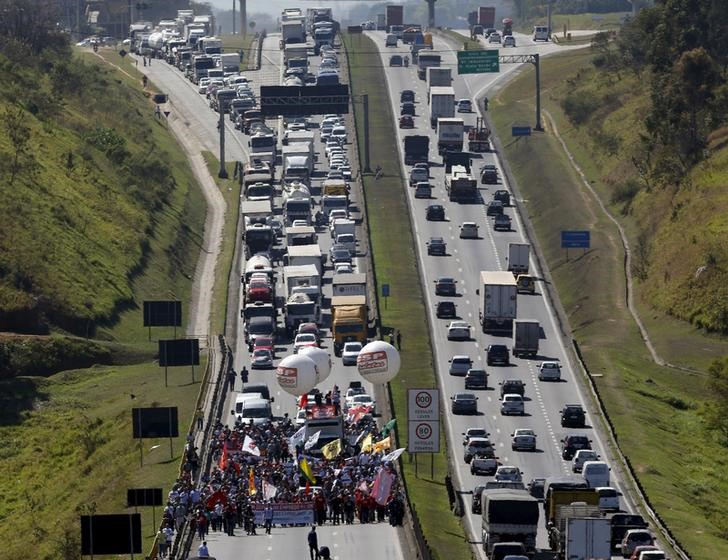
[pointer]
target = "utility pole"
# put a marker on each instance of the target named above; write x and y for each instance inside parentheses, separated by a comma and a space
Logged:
(233, 17)
(536, 63)
(222, 174)
(365, 103)
(243, 17)
(431, 13)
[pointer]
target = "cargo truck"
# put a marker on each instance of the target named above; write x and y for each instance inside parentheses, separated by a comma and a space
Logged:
(299, 255)
(300, 308)
(394, 15)
(300, 235)
(257, 171)
(294, 51)
(349, 285)
(564, 490)
(230, 62)
(425, 61)
(486, 16)
(459, 184)
(450, 135)
(292, 32)
(349, 320)
(497, 301)
(442, 104)
(557, 525)
(588, 538)
(526, 333)
(303, 279)
(438, 77)
(297, 205)
(256, 211)
(509, 516)
(518, 256)
(417, 148)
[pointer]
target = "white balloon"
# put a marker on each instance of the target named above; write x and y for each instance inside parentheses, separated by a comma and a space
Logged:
(322, 360)
(378, 362)
(296, 374)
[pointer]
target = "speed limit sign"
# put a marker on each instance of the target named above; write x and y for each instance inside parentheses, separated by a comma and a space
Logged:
(424, 404)
(424, 437)
(423, 421)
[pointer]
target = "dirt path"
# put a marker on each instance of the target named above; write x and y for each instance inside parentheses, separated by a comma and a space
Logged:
(203, 284)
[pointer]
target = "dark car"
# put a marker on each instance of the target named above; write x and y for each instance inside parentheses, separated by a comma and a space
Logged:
(573, 416)
(406, 95)
(395, 60)
(476, 506)
(497, 354)
(502, 223)
(571, 443)
(489, 174)
(446, 310)
(503, 195)
(408, 108)
(436, 246)
(435, 213)
(464, 403)
(512, 386)
(445, 287)
(495, 208)
(536, 488)
(476, 379)
(406, 121)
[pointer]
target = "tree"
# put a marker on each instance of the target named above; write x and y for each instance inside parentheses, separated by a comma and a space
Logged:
(715, 412)
(20, 159)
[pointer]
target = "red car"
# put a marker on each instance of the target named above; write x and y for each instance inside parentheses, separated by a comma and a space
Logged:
(259, 291)
(264, 343)
(406, 122)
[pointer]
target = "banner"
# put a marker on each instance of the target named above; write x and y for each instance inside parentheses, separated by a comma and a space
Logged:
(249, 446)
(286, 513)
(269, 490)
(394, 455)
(382, 486)
(298, 438)
(331, 450)
(366, 445)
(382, 445)
(313, 440)
(353, 415)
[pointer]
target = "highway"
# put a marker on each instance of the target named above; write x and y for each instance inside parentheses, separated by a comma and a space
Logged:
(466, 257)
(383, 540)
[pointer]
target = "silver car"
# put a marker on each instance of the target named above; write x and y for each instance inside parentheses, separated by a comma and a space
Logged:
(512, 404)
(459, 365)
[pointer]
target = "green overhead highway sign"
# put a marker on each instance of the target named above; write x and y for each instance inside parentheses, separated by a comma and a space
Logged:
(478, 62)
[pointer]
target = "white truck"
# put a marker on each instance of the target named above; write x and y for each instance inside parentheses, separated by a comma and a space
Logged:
(298, 136)
(450, 135)
(297, 205)
(299, 50)
(300, 235)
(230, 62)
(438, 76)
(299, 255)
(526, 333)
(518, 256)
(497, 301)
(342, 225)
(588, 538)
(442, 103)
(256, 212)
(292, 32)
(263, 147)
(349, 285)
(297, 168)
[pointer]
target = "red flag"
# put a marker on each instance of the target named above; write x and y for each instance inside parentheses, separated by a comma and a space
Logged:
(304, 401)
(218, 496)
(236, 466)
(223, 458)
(252, 490)
(307, 491)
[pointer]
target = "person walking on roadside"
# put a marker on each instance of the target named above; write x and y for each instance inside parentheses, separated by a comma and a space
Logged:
(399, 340)
(268, 518)
(200, 414)
(313, 543)
(244, 375)
(231, 378)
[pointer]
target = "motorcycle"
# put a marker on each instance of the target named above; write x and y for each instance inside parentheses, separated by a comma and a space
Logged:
(406, 61)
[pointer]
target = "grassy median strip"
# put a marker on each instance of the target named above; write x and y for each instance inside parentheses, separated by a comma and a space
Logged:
(655, 410)
(467, 43)
(395, 263)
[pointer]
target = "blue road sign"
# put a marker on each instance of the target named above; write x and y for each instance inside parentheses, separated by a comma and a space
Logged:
(385, 290)
(575, 239)
(520, 131)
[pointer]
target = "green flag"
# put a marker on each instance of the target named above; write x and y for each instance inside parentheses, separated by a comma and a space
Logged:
(389, 426)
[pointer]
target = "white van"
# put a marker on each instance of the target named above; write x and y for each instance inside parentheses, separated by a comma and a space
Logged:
(347, 240)
(540, 33)
(596, 473)
(608, 498)
(241, 398)
(256, 410)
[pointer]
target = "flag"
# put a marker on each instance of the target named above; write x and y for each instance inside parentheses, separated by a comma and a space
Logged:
(332, 449)
(217, 497)
(303, 402)
(389, 426)
(222, 463)
(249, 446)
(382, 486)
(313, 440)
(269, 490)
(353, 415)
(307, 491)
(252, 490)
(363, 487)
(366, 445)
(306, 469)
(361, 436)
(298, 438)
(394, 455)
(382, 445)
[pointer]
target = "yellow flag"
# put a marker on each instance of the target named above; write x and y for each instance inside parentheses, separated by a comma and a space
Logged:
(306, 470)
(382, 445)
(366, 445)
(332, 449)
(252, 490)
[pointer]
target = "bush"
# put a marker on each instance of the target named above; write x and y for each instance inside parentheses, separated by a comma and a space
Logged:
(579, 107)
(624, 193)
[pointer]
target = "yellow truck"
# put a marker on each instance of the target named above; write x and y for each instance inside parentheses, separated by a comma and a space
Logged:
(349, 320)
(335, 187)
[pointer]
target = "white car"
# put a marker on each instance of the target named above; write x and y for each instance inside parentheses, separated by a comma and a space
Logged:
(608, 498)
(512, 403)
(465, 106)
(508, 474)
(494, 38)
(337, 214)
(351, 392)
(339, 133)
(202, 86)
(523, 439)
(458, 330)
(469, 230)
(581, 457)
(509, 41)
(350, 352)
(549, 371)
(343, 268)
(304, 340)
(301, 417)
(362, 400)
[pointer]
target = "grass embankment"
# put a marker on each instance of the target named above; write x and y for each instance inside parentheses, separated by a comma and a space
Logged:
(467, 43)
(601, 22)
(655, 410)
(395, 263)
(230, 189)
(65, 441)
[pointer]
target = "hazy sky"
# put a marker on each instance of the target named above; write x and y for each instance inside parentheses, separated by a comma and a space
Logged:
(274, 7)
